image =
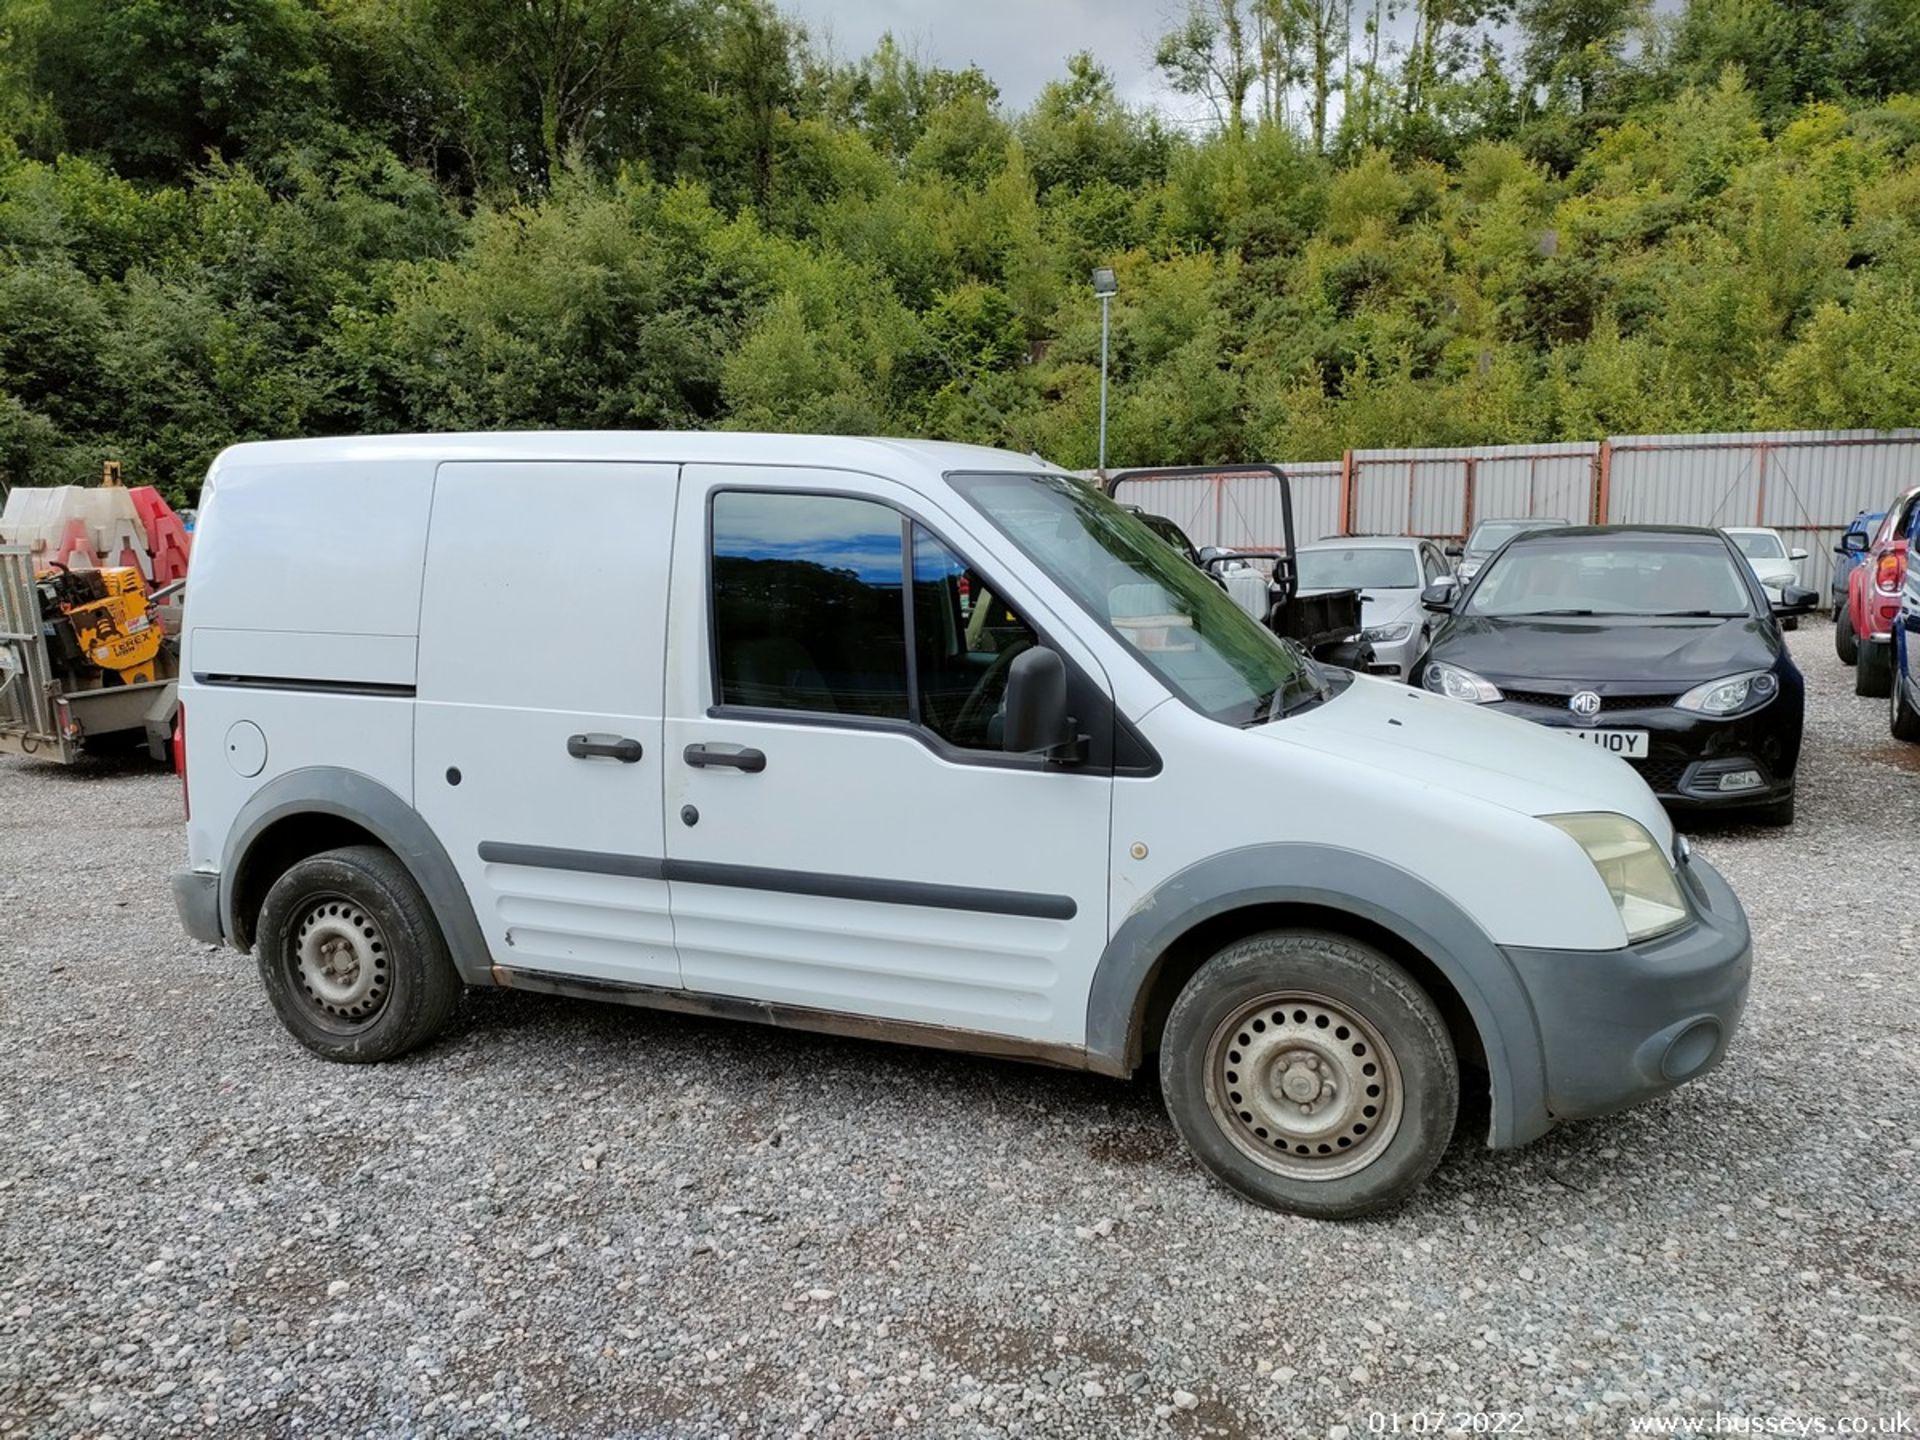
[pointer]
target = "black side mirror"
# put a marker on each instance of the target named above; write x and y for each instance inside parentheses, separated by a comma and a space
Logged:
(1439, 595)
(1456, 550)
(1796, 600)
(1854, 542)
(1036, 706)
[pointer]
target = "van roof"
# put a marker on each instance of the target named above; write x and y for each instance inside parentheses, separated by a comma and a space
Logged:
(658, 446)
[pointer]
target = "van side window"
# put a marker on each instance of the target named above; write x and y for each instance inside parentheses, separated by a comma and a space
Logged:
(808, 611)
(965, 640)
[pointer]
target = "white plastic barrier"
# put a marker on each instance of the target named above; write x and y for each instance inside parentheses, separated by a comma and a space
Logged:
(77, 526)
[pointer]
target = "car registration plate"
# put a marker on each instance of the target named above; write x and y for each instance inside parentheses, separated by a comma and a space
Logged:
(1628, 744)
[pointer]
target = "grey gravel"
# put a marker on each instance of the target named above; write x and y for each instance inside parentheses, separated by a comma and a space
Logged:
(573, 1219)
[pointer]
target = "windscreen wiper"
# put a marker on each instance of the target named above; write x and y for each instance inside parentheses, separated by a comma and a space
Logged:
(1697, 614)
(1531, 613)
(1314, 683)
(1277, 705)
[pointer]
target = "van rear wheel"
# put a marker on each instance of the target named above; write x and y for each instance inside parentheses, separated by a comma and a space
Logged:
(1311, 1074)
(352, 960)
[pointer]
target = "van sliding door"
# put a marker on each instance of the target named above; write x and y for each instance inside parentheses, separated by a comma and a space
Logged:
(537, 740)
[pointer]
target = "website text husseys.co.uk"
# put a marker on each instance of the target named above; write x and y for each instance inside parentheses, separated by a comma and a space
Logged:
(1736, 1422)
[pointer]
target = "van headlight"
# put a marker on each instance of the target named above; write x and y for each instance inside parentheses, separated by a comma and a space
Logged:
(1458, 684)
(1731, 695)
(1387, 634)
(1644, 888)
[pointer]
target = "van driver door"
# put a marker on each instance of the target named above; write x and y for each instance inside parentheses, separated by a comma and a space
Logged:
(844, 832)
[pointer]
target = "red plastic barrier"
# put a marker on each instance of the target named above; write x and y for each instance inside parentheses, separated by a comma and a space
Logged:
(168, 543)
(75, 550)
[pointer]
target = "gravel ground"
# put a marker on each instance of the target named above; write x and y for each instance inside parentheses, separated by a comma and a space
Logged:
(566, 1218)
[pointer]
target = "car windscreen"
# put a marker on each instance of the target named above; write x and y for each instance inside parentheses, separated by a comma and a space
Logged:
(1611, 575)
(1359, 567)
(1489, 535)
(1180, 624)
(1763, 545)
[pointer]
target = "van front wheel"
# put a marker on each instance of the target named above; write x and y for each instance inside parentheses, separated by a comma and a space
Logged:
(1310, 1073)
(351, 957)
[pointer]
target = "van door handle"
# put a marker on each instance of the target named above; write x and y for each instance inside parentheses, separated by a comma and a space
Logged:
(626, 751)
(702, 757)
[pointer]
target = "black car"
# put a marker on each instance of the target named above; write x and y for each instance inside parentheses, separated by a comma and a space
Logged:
(1654, 642)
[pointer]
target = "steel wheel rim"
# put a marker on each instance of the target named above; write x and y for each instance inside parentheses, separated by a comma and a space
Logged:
(340, 960)
(1303, 1086)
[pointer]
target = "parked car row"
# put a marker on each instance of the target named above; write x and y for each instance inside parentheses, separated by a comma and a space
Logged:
(1661, 645)
(1877, 608)
(1876, 559)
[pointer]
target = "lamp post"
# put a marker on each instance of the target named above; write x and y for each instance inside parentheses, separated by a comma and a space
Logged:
(1105, 286)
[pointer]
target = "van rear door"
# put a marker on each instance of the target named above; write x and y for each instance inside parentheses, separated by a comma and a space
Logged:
(537, 740)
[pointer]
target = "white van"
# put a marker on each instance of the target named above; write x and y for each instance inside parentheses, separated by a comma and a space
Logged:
(913, 741)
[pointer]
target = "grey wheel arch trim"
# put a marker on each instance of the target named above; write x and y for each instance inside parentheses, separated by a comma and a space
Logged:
(1352, 883)
(349, 795)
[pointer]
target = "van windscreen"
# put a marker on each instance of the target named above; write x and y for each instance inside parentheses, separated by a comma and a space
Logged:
(1181, 624)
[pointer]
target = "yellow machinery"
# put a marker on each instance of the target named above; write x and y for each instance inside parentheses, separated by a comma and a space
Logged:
(100, 628)
(88, 659)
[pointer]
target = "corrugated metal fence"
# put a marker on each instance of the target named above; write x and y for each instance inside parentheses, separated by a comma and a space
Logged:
(1807, 484)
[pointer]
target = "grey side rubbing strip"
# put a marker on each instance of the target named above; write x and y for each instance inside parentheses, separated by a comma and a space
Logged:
(885, 892)
(316, 687)
(591, 862)
(787, 882)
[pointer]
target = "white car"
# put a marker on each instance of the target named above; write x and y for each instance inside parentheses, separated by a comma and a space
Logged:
(1390, 572)
(910, 741)
(1776, 566)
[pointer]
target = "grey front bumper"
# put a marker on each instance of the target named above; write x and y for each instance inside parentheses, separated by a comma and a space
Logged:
(196, 895)
(1621, 1026)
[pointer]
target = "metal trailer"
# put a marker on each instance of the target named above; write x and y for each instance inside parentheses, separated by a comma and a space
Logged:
(39, 717)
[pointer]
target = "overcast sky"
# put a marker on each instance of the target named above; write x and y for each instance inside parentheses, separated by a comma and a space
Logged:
(1022, 44)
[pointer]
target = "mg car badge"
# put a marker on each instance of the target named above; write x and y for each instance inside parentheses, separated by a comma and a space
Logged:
(1585, 706)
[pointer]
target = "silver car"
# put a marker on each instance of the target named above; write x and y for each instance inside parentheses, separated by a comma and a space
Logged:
(1489, 535)
(1389, 571)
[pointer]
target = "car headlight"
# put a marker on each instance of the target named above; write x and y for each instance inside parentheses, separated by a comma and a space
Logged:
(1458, 684)
(1387, 634)
(1644, 888)
(1731, 695)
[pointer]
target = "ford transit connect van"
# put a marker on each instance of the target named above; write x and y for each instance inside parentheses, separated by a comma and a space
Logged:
(912, 741)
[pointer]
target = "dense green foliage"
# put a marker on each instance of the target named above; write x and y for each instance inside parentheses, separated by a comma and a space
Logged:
(223, 219)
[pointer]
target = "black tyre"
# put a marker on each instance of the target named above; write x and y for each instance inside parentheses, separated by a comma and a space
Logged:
(1311, 1074)
(1845, 643)
(1792, 622)
(1873, 672)
(352, 959)
(1902, 719)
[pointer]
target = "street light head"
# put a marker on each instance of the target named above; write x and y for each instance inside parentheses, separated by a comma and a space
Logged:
(1104, 283)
